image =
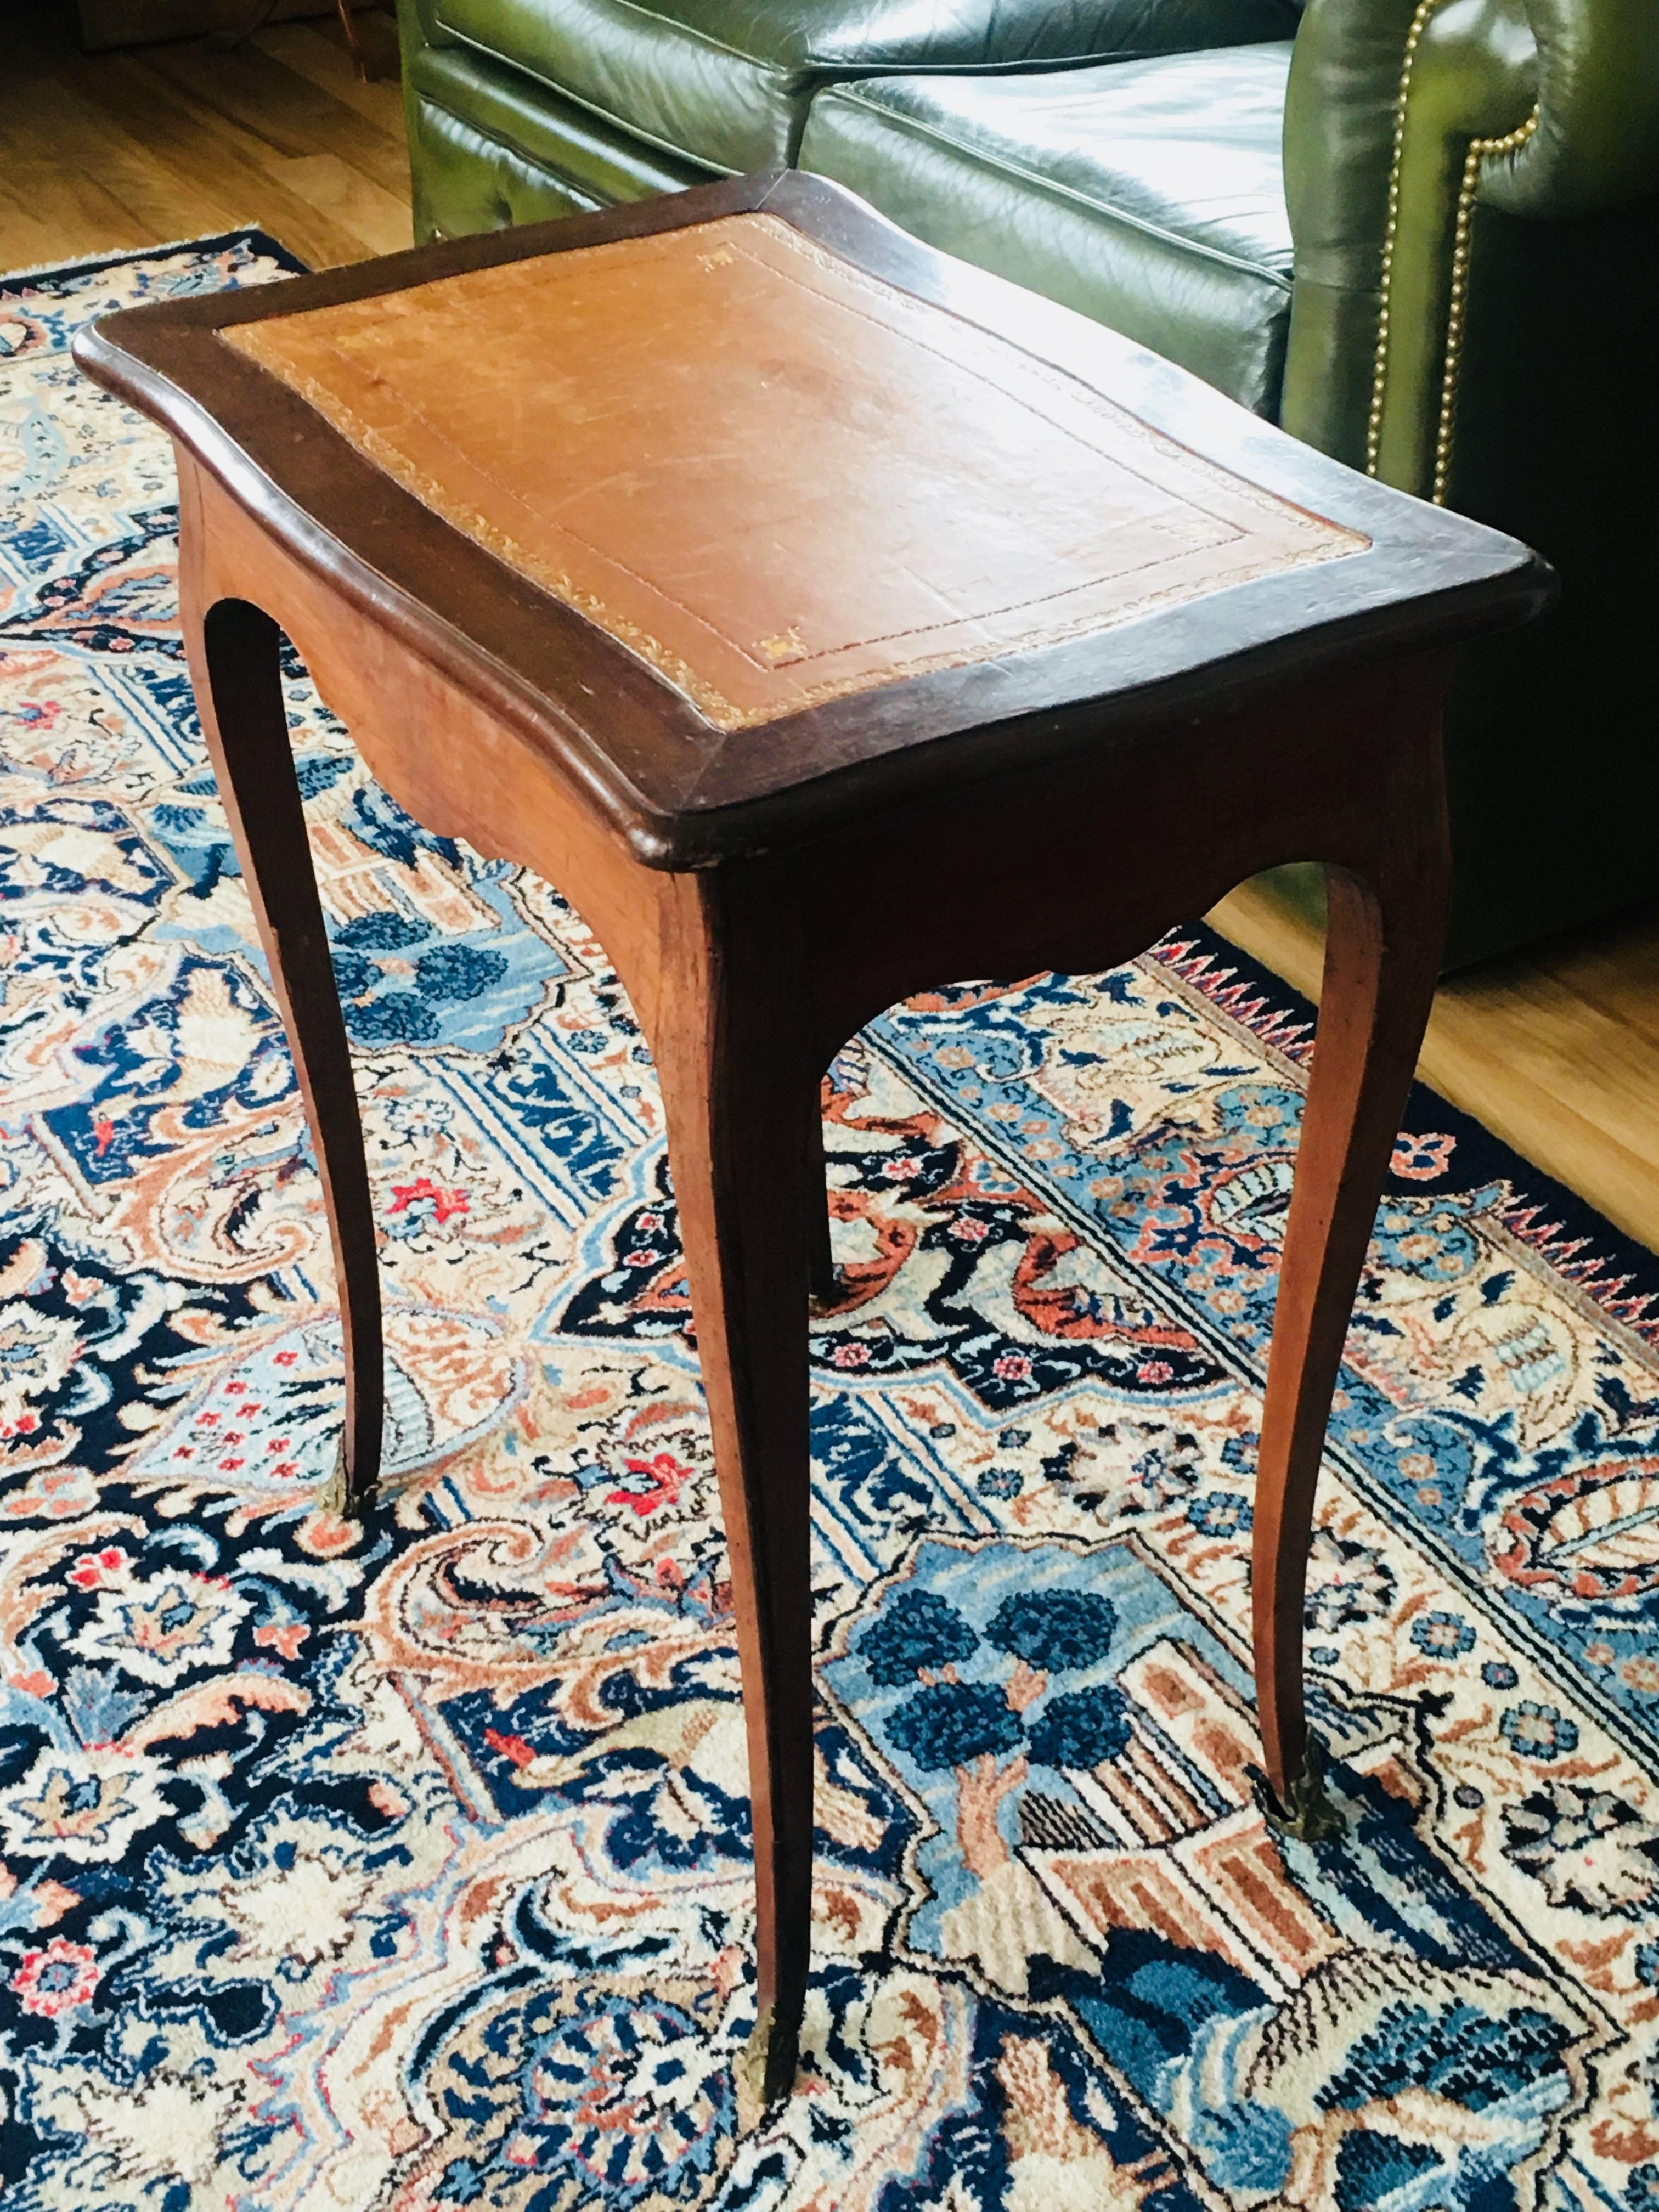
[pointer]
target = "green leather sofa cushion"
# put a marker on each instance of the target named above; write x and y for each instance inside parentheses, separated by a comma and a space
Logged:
(1149, 194)
(490, 150)
(727, 83)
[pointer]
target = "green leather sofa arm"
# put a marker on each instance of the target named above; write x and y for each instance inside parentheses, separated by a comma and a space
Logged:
(1473, 199)
(1405, 116)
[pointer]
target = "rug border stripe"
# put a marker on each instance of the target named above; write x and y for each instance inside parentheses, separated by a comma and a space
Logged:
(1619, 1275)
(251, 233)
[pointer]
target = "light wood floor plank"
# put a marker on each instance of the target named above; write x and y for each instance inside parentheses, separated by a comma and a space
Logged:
(379, 219)
(216, 155)
(164, 203)
(310, 53)
(72, 209)
(1617, 969)
(186, 163)
(30, 243)
(286, 113)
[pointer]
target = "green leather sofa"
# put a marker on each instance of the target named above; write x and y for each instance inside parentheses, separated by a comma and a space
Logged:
(522, 109)
(1422, 234)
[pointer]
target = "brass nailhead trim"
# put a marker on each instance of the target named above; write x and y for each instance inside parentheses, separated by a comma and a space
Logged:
(1479, 149)
(1374, 426)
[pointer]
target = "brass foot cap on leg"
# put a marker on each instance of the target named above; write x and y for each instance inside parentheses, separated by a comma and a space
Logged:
(339, 1494)
(1309, 1813)
(766, 2071)
(335, 1496)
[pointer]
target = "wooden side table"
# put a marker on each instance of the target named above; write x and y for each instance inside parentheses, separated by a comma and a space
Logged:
(725, 554)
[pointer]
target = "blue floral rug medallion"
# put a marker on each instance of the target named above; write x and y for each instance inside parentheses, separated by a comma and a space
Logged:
(405, 1865)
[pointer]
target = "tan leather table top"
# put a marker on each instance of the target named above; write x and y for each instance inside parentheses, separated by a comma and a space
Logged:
(775, 478)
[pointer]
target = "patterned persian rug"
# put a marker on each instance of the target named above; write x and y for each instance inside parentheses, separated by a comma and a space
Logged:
(406, 1865)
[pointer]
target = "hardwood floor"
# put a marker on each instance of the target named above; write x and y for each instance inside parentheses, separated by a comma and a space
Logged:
(1556, 1050)
(151, 143)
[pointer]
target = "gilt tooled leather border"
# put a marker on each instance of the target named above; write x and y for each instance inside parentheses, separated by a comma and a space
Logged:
(902, 315)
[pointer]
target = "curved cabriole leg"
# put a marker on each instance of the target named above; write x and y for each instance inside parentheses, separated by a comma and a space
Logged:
(232, 649)
(739, 1096)
(1380, 968)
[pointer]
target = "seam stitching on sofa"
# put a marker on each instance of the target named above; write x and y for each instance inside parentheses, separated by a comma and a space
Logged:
(592, 107)
(1060, 190)
(847, 75)
(1039, 65)
(812, 61)
(668, 23)
(506, 146)
(509, 145)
